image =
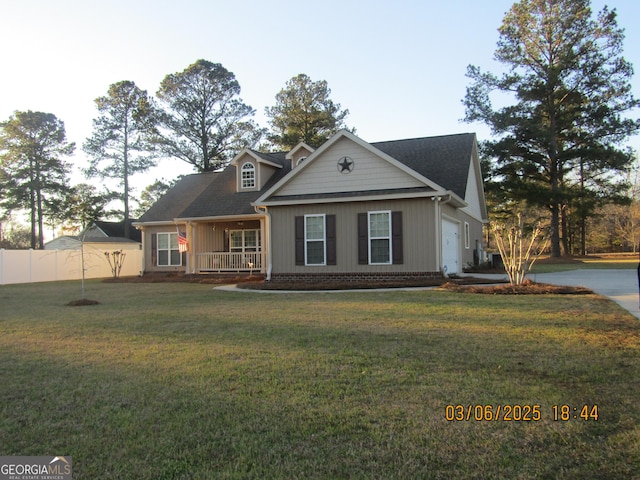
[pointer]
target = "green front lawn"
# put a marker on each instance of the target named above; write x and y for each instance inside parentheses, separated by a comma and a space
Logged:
(545, 265)
(168, 381)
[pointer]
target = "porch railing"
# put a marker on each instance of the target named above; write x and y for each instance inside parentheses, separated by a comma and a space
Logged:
(229, 261)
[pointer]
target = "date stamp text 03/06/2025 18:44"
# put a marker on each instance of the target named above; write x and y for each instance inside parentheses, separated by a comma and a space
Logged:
(519, 413)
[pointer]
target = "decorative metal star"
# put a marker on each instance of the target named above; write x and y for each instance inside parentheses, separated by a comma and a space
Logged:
(345, 165)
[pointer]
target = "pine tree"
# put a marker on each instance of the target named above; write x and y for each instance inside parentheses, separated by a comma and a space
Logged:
(304, 113)
(33, 171)
(121, 144)
(566, 89)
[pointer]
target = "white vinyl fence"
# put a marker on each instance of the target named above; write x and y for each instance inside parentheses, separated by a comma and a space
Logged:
(30, 266)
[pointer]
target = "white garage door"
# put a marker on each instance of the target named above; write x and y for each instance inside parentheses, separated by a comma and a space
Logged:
(450, 247)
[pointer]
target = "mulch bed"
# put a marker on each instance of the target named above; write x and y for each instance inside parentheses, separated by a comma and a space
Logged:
(467, 284)
(527, 288)
(308, 286)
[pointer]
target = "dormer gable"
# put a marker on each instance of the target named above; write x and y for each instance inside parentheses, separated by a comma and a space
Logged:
(298, 154)
(254, 169)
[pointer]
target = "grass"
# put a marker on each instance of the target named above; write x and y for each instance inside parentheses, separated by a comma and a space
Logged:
(171, 381)
(549, 265)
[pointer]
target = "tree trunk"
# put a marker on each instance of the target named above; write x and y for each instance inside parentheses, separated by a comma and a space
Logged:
(125, 179)
(583, 215)
(583, 234)
(40, 219)
(32, 203)
(554, 177)
(566, 235)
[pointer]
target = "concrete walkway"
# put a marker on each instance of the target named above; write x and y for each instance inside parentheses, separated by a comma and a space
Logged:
(621, 285)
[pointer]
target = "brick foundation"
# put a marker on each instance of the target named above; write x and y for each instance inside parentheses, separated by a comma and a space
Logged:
(363, 277)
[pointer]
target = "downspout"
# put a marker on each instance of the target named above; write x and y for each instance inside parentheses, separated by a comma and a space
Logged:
(265, 211)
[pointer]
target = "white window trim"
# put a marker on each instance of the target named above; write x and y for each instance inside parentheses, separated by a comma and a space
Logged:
(248, 167)
(389, 237)
(168, 250)
(323, 240)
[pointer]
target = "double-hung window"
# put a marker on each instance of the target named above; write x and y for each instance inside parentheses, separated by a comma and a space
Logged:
(315, 237)
(379, 237)
(314, 240)
(168, 254)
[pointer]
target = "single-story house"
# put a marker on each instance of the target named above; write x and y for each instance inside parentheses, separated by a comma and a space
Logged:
(348, 210)
(100, 235)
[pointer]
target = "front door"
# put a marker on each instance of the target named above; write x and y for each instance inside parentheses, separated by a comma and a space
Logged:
(450, 247)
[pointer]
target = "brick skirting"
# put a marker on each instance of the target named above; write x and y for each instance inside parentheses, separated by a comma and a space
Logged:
(348, 277)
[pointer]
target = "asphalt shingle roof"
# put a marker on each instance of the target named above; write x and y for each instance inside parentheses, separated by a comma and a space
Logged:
(444, 159)
(223, 199)
(183, 193)
(115, 232)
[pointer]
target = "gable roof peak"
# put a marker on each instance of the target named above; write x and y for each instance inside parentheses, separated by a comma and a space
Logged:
(299, 146)
(273, 159)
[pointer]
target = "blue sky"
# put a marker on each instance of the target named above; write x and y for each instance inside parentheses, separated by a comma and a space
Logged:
(398, 66)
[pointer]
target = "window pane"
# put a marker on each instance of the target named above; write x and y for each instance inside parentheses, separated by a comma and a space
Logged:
(379, 224)
(250, 239)
(175, 257)
(174, 240)
(315, 253)
(163, 240)
(380, 251)
(236, 239)
(315, 228)
(163, 257)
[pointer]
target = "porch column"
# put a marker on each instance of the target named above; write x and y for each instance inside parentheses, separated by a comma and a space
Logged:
(192, 230)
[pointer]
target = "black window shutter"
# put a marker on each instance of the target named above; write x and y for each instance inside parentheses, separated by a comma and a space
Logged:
(300, 240)
(154, 249)
(396, 237)
(331, 239)
(363, 239)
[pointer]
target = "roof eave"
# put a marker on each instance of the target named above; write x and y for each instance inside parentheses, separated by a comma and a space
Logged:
(214, 218)
(454, 199)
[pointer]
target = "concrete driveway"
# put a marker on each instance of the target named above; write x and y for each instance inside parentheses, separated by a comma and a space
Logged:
(621, 286)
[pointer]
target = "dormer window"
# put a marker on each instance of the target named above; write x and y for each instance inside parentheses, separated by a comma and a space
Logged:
(299, 154)
(248, 175)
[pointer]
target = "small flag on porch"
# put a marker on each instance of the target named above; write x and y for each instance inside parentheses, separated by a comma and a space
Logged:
(183, 244)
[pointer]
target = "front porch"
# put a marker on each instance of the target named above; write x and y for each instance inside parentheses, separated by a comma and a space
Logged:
(227, 246)
(219, 262)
